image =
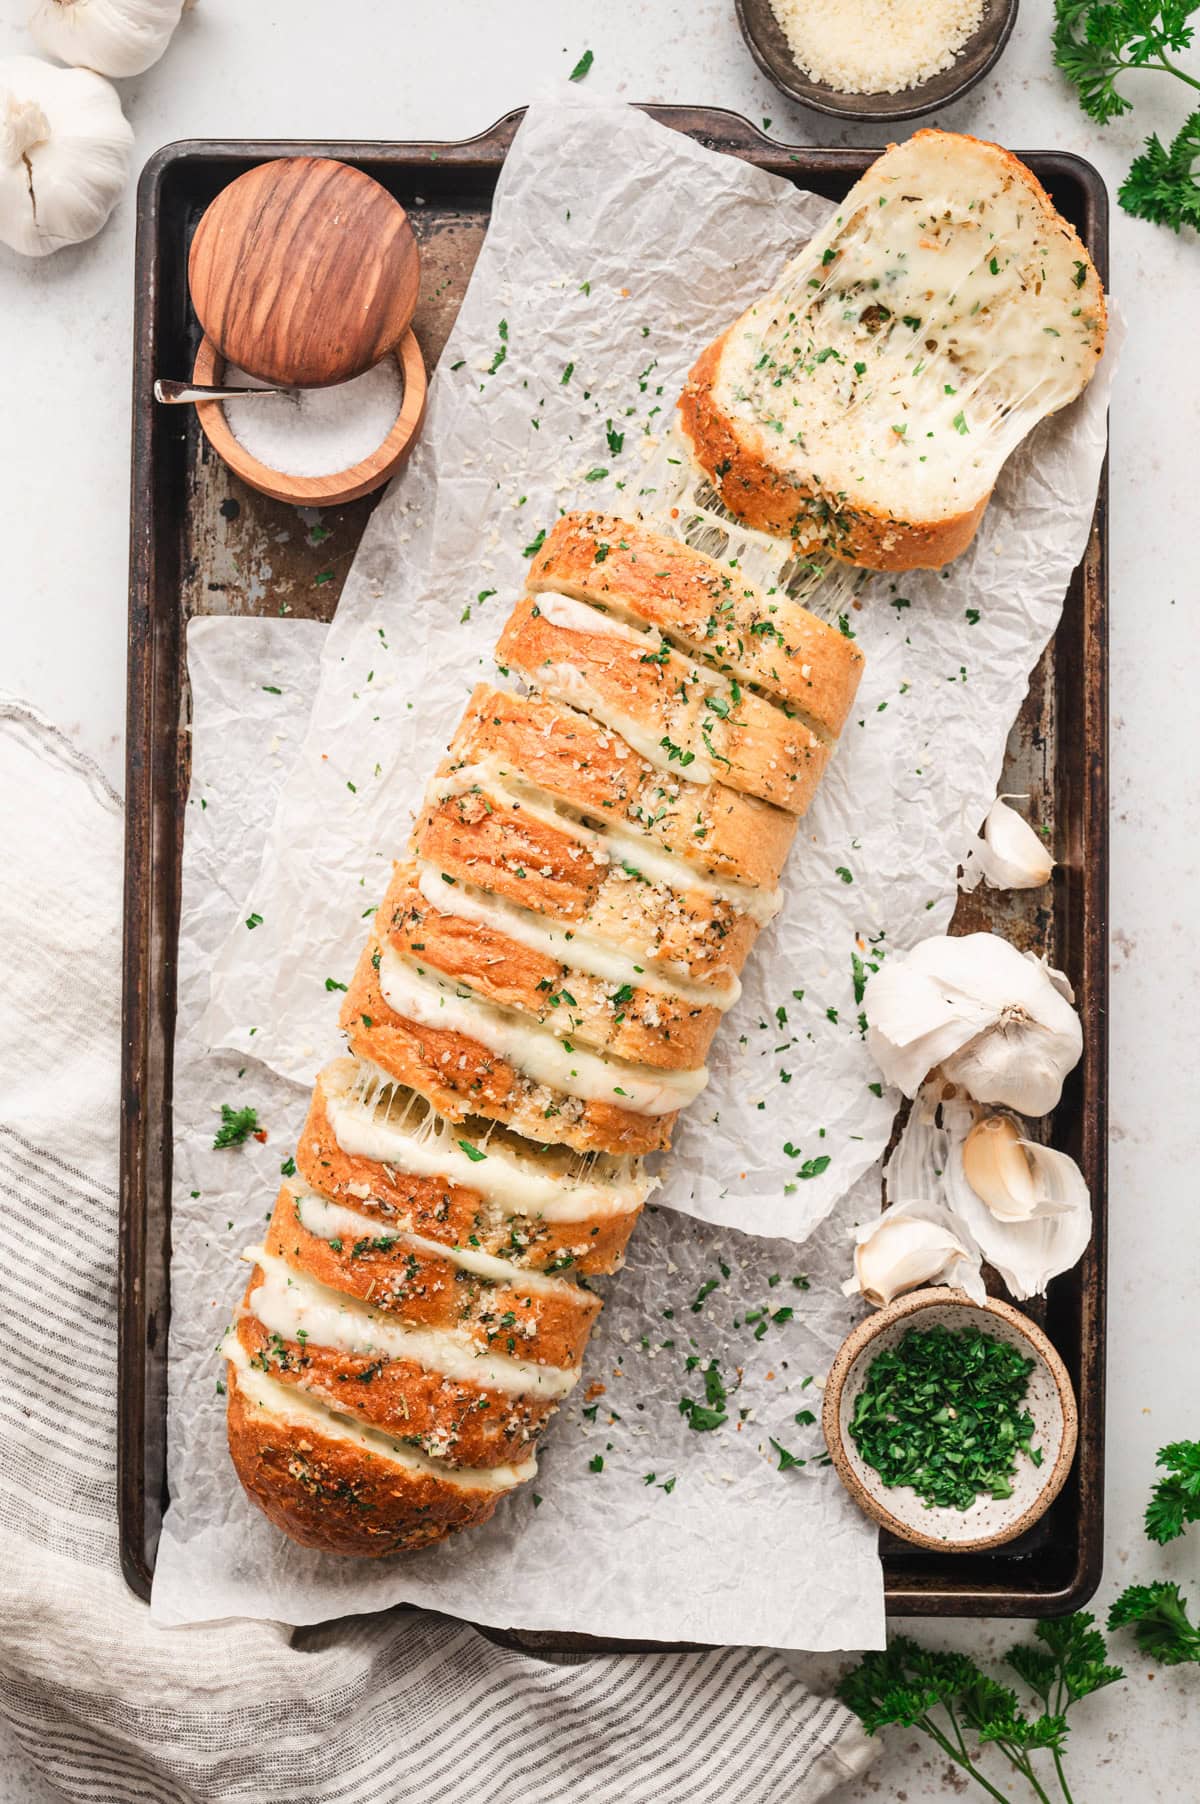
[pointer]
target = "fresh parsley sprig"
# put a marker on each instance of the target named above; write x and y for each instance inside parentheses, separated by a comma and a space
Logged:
(952, 1701)
(1157, 1613)
(1160, 185)
(1175, 1500)
(1098, 41)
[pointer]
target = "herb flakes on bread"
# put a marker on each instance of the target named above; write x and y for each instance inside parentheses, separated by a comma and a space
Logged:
(866, 405)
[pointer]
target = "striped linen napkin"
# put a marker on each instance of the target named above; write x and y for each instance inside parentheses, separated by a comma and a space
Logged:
(107, 1706)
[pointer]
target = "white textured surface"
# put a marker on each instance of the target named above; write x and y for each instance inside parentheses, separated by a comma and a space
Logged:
(302, 70)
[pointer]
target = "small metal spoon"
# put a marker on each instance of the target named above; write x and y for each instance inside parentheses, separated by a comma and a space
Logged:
(175, 394)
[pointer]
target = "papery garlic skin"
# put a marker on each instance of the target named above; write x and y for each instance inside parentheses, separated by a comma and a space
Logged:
(1008, 854)
(1027, 1254)
(989, 1017)
(64, 154)
(911, 1244)
(1005, 1171)
(113, 37)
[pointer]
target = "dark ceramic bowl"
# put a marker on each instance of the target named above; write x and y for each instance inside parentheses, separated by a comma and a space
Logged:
(769, 48)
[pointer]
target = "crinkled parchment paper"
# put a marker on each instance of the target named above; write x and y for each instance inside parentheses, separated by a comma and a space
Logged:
(617, 250)
(645, 1527)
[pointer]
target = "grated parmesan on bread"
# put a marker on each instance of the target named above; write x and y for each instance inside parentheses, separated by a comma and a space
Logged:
(867, 404)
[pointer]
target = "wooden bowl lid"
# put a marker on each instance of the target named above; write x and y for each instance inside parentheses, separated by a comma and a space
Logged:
(304, 272)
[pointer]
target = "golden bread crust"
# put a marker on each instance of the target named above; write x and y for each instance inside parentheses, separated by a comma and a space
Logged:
(756, 747)
(575, 760)
(646, 1026)
(443, 1211)
(427, 1291)
(459, 1077)
(447, 1418)
(332, 1496)
(714, 611)
(482, 837)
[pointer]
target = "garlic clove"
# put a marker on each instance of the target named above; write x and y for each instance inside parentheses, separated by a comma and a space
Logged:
(114, 37)
(992, 1018)
(911, 1244)
(1026, 1253)
(1008, 853)
(1004, 1171)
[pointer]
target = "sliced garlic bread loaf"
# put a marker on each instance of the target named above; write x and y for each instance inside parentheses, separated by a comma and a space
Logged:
(533, 1007)
(867, 403)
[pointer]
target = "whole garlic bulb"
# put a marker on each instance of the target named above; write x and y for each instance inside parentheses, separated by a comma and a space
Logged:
(912, 1244)
(1008, 854)
(64, 154)
(114, 37)
(991, 1018)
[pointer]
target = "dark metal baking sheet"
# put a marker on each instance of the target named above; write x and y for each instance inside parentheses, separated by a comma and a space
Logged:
(199, 540)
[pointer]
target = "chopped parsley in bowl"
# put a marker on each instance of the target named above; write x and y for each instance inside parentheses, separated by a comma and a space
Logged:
(951, 1423)
(944, 1411)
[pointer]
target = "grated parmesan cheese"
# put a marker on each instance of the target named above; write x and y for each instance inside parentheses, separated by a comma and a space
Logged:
(876, 46)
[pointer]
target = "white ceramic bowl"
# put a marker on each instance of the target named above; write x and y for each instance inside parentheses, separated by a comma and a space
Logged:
(1049, 1399)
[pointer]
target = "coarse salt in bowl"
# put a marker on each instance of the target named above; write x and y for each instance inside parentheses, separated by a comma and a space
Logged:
(316, 431)
(317, 447)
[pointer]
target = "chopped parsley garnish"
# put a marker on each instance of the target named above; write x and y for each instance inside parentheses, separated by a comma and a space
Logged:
(473, 1153)
(704, 1417)
(582, 66)
(236, 1127)
(675, 753)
